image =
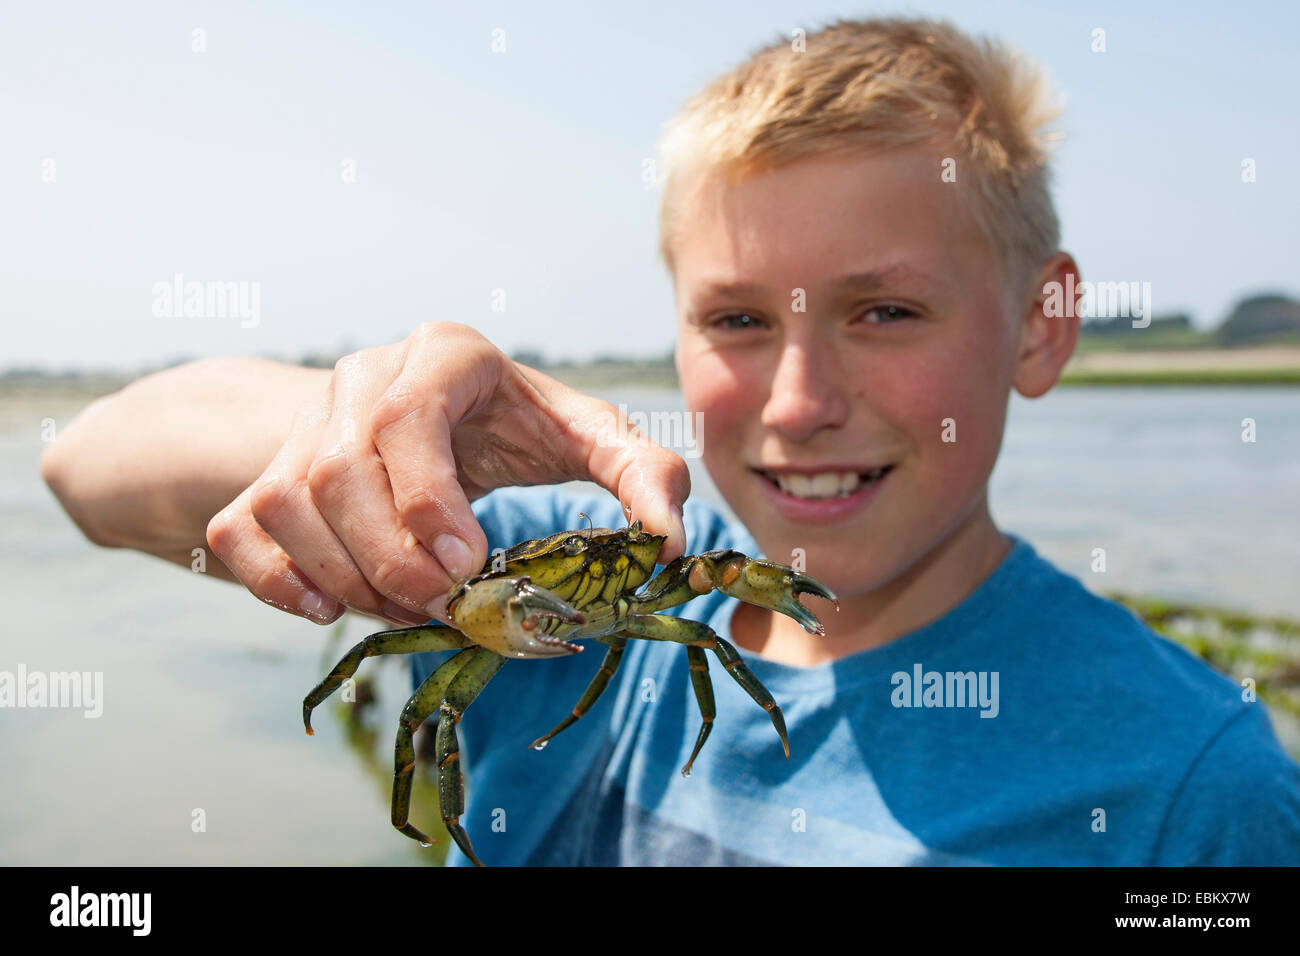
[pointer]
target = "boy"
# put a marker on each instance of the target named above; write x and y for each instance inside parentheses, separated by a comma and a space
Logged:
(861, 240)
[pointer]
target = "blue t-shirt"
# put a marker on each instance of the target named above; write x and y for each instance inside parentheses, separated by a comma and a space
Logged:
(1033, 724)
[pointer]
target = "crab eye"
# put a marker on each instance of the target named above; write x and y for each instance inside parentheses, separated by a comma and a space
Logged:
(575, 544)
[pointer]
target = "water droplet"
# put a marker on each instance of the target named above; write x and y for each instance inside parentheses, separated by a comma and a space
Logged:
(541, 745)
(425, 845)
(686, 773)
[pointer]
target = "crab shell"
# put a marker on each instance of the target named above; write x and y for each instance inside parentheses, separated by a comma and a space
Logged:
(528, 598)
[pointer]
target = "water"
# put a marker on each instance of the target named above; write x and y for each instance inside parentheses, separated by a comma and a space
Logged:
(203, 690)
(203, 684)
(1161, 479)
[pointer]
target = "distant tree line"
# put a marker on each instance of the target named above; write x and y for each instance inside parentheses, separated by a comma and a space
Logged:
(1256, 320)
(535, 359)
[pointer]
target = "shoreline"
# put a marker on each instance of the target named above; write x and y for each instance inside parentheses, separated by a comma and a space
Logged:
(1265, 365)
(1084, 378)
(1089, 366)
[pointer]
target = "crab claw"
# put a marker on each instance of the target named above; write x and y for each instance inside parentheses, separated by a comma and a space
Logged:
(763, 583)
(507, 615)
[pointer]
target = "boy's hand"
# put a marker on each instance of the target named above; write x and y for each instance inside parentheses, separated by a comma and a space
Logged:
(366, 505)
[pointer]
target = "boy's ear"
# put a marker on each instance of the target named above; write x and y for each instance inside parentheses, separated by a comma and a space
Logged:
(1049, 327)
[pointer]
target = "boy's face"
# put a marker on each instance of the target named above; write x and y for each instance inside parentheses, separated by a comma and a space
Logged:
(836, 374)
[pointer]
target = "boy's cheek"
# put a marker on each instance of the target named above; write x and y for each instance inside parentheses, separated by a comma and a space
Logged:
(959, 399)
(717, 393)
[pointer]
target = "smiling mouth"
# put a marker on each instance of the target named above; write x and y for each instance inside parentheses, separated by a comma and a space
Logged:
(825, 484)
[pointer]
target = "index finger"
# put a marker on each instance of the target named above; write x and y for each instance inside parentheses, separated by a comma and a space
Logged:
(648, 479)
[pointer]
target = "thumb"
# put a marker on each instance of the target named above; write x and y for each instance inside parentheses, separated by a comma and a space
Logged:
(653, 487)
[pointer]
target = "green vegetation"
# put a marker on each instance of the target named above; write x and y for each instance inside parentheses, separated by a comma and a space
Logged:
(1164, 332)
(1182, 376)
(1257, 320)
(1261, 319)
(1151, 339)
(1242, 646)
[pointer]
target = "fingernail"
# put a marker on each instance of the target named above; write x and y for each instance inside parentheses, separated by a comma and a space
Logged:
(318, 606)
(396, 612)
(437, 607)
(454, 554)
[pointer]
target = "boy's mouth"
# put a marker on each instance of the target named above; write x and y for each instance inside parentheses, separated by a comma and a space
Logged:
(824, 484)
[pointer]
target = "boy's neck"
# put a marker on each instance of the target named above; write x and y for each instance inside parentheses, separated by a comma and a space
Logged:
(924, 592)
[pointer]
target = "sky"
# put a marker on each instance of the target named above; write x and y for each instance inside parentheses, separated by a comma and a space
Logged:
(131, 157)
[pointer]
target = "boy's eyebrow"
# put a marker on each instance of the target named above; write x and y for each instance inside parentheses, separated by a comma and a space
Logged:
(868, 281)
(873, 280)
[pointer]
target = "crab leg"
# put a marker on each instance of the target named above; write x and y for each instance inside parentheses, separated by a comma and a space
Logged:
(703, 687)
(661, 627)
(407, 640)
(704, 697)
(421, 704)
(465, 686)
(597, 687)
(757, 582)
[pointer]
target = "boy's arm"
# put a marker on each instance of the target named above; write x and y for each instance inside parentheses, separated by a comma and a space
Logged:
(1239, 804)
(147, 467)
(321, 491)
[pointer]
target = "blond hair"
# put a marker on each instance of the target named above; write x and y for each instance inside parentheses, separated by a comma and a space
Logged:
(875, 84)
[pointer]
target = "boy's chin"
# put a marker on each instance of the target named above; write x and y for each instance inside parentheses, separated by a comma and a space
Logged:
(856, 556)
(844, 565)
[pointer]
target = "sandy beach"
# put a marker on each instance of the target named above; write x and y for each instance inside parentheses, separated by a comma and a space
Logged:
(1270, 357)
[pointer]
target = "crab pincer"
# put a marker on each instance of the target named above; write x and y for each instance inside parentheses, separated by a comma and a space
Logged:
(764, 583)
(514, 617)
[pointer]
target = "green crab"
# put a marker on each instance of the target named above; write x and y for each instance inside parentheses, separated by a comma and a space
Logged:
(533, 601)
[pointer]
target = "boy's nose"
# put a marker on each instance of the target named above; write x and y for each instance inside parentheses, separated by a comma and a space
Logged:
(806, 393)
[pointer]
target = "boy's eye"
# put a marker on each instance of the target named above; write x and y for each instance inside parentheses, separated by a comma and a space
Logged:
(739, 320)
(884, 314)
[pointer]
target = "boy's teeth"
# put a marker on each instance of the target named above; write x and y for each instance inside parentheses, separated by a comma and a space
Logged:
(797, 485)
(827, 484)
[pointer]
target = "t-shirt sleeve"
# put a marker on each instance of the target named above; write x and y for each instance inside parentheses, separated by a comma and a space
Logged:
(1239, 804)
